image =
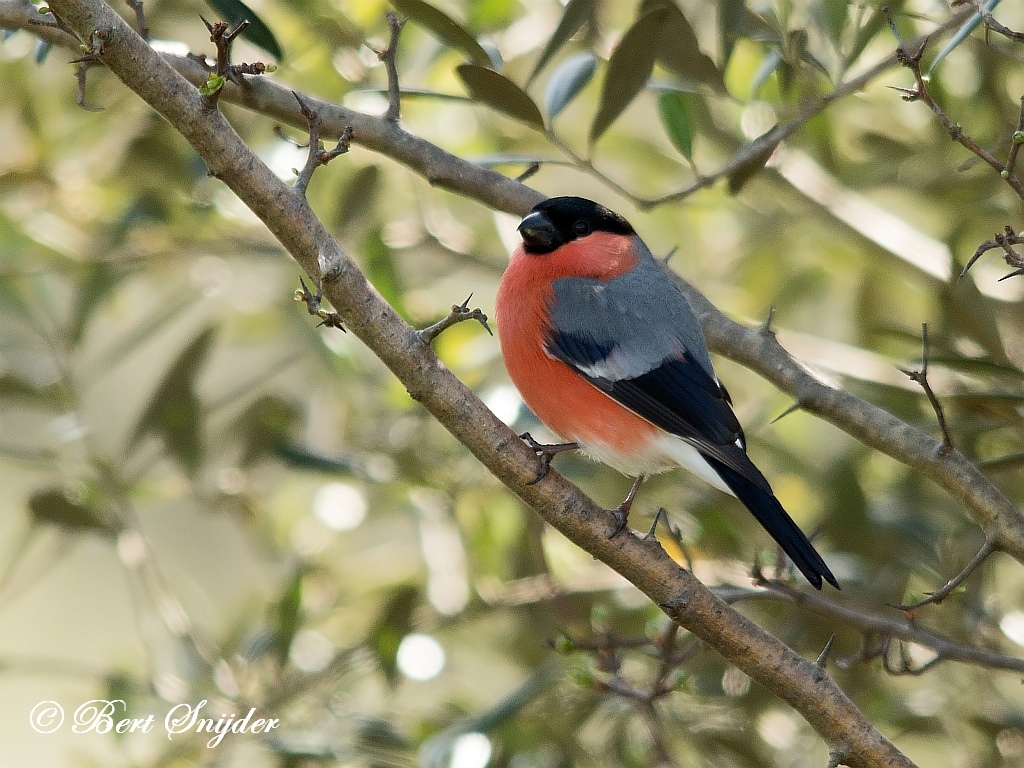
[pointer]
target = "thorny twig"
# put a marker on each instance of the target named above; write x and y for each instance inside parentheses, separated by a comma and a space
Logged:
(1008, 170)
(953, 584)
(874, 625)
(92, 56)
(317, 155)
(459, 313)
(222, 36)
(1005, 240)
(921, 377)
(327, 317)
(901, 665)
(1016, 140)
(912, 61)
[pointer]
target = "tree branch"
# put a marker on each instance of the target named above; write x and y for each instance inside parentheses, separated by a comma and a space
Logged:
(389, 57)
(897, 627)
(921, 377)
(288, 216)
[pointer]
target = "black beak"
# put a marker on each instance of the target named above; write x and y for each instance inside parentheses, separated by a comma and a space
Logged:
(539, 234)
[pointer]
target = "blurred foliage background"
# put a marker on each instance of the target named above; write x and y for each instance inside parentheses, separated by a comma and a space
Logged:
(207, 497)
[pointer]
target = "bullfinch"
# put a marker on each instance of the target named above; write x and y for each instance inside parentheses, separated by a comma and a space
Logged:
(605, 350)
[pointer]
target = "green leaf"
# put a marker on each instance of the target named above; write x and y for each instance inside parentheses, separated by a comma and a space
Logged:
(356, 203)
(809, 58)
(101, 280)
(770, 63)
(213, 84)
(731, 26)
(875, 24)
(379, 265)
(155, 322)
(965, 311)
(575, 15)
(500, 93)
(977, 366)
(264, 427)
(121, 686)
(14, 389)
(835, 14)
(629, 67)
(445, 28)
(257, 33)
(770, 22)
(174, 411)
(1003, 464)
(969, 26)
(395, 623)
(762, 26)
(53, 507)
(569, 78)
(678, 49)
(675, 116)
(289, 617)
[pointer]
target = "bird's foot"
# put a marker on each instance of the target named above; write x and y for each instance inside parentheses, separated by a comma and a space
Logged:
(620, 518)
(545, 453)
(651, 535)
(621, 513)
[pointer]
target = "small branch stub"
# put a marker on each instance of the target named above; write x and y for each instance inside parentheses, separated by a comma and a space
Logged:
(388, 57)
(317, 155)
(312, 300)
(1005, 240)
(222, 36)
(545, 453)
(921, 377)
(459, 313)
(822, 659)
(92, 56)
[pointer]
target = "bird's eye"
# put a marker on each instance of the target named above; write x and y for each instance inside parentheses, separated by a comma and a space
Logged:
(581, 228)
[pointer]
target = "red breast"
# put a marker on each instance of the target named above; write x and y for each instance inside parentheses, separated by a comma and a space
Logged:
(562, 399)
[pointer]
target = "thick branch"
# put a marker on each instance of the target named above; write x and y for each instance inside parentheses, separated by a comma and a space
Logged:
(798, 681)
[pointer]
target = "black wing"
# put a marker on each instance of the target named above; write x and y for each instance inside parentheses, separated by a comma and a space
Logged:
(636, 339)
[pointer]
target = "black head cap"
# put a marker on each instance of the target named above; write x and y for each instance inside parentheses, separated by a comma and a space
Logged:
(560, 220)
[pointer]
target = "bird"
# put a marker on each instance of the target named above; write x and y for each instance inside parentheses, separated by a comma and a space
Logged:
(606, 351)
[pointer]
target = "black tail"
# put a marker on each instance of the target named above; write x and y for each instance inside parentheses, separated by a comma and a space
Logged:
(773, 518)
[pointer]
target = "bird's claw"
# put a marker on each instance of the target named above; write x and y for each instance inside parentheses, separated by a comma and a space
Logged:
(621, 518)
(621, 512)
(651, 535)
(545, 453)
